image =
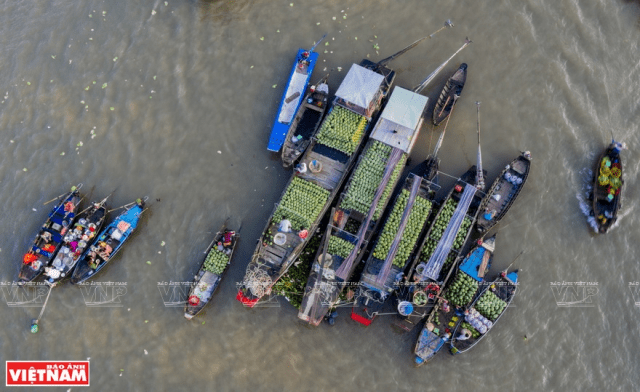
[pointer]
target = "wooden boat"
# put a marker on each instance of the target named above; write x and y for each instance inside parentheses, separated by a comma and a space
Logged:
(293, 94)
(360, 207)
(503, 192)
(435, 260)
(393, 249)
(108, 243)
(485, 311)
(449, 95)
(50, 236)
(319, 175)
(214, 265)
(447, 235)
(80, 236)
(305, 123)
(607, 187)
(448, 312)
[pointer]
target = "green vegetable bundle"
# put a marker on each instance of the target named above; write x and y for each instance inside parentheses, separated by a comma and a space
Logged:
(367, 177)
(462, 290)
(474, 332)
(302, 203)
(342, 130)
(216, 261)
(339, 247)
(417, 217)
(490, 306)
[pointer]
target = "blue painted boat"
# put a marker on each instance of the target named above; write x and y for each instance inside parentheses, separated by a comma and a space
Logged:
(109, 242)
(293, 95)
(49, 238)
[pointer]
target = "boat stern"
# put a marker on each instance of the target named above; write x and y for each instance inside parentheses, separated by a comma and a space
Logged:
(246, 301)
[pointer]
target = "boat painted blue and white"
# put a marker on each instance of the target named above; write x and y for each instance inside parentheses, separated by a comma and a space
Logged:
(294, 92)
(108, 243)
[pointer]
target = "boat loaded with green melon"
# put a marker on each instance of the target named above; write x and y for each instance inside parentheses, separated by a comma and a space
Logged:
(485, 311)
(360, 207)
(440, 249)
(458, 293)
(319, 175)
(218, 257)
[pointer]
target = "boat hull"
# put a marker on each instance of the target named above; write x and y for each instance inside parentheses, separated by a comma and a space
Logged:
(605, 211)
(289, 104)
(206, 282)
(113, 236)
(50, 237)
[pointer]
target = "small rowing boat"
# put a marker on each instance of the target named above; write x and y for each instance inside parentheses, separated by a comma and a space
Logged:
(607, 187)
(503, 192)
(449, 95)
(108, 243)
(306, 122)
(50, 236)
(218, 257)
(296, 86)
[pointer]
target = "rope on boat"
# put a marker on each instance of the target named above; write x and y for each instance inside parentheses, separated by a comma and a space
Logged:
(257, 281)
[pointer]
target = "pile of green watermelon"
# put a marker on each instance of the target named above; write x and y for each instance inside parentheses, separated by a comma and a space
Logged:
(444, 216)
(462, 290)
(302, 203)
(216, 261)
(474, 332)
(342, 130)
(366, 179)
(490, 306)
(417, 217)
(465, 226)
(339, 247)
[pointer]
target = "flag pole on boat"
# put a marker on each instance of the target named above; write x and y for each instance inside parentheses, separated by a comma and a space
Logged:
(34, 323)
(479, 175)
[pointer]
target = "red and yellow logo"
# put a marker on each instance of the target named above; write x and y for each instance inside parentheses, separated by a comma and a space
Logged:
(47, 373)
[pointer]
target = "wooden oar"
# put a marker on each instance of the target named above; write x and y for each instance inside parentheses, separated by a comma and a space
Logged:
(34, 323)
(73, 189)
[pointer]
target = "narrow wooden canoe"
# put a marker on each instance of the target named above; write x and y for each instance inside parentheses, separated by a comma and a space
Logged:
(450, 93)
(503, 192)
(50, 237)
(214, 265)
(607, 187)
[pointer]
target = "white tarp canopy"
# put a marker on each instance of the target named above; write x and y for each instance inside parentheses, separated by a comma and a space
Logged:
(399, 122)
(360, 86)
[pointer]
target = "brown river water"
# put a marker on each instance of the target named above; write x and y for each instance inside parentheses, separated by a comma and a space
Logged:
(174, 100)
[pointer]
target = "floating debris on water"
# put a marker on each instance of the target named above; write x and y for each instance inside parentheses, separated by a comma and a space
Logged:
(148, 262)
(34, 210)
(219, 152)
(62, 153)
(112, 108)
(24, 169)
(153, 12)
(104, 85)
(115, 58)
(162, 243)
(261, 38)
(146, 352)
(274, 86)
